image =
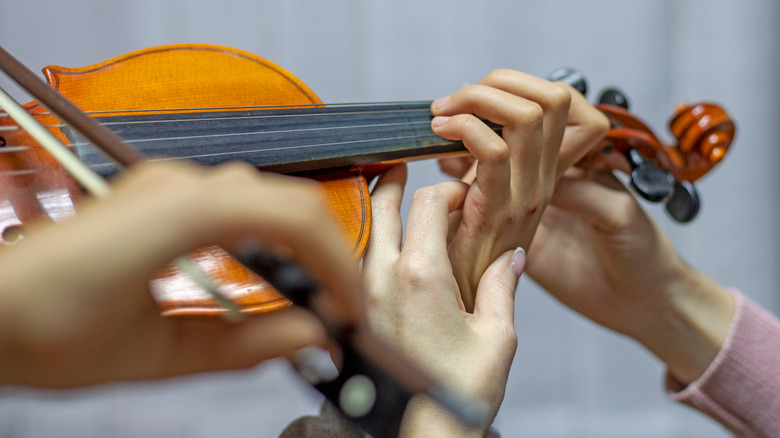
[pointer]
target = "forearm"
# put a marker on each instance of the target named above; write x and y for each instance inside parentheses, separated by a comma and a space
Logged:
(687, 332)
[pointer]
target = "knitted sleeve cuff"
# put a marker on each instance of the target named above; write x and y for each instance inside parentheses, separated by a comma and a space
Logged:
(741, 388)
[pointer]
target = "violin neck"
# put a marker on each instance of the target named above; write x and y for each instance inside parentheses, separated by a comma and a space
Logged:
(286, 140)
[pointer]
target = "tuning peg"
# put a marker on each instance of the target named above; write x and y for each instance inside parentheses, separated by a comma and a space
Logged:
(650, 181)
(684, 203)
(615, 97)
(570, 76)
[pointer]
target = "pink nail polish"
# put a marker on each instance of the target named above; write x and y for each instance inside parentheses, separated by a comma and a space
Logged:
(518, 261)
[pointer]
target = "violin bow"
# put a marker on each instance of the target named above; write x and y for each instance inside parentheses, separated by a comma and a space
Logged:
(376, 381)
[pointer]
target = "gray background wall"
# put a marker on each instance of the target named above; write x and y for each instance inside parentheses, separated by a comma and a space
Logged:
(570, 378)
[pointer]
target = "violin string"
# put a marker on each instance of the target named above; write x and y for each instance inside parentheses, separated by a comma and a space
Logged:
(83, 174)
(13, 149)
(253, 117)
(260, 117)
(296, 147)
(251, 107)
(380, 139)
(267, 133)
(99, 188)
(248, 117)
(19, 172)
(195, 110)
(264, 133)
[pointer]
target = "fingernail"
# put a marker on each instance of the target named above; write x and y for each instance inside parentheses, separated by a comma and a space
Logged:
(440, 101)
(518, 261)
(439, 120)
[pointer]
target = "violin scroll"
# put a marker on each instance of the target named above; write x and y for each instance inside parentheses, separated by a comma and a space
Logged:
(704, 133)
(660, 172)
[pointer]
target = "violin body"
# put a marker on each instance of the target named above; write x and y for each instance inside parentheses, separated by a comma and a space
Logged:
(174, 79)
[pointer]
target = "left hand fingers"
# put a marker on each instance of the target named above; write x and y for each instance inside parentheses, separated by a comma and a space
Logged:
(489, 149)
(516, 156)
(586, 128)
(552, 98)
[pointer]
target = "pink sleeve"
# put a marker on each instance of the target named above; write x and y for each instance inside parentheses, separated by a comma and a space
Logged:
(741, 388)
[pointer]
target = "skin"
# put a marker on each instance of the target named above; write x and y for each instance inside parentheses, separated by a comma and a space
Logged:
(623, 272)
(547, 127)
(457, 261)
(621, 269)
(444, 291)
(64, 325)
(414, 302)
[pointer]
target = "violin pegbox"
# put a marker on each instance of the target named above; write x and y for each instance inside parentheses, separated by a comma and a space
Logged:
(659, 172)
(666, 173)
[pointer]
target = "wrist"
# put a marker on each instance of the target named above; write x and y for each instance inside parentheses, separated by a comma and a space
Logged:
(425, 418)
(688, 330)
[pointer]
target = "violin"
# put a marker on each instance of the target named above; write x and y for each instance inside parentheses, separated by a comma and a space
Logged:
(166, 102)
(375, 382)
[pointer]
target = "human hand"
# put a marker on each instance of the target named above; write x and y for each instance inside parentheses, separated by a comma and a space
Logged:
(599, 253)
(413, 300)
(75, 304)
(516, 171)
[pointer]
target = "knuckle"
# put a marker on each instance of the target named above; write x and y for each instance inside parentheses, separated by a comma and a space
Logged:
(624, 211)
(381, 207)
(482, 207)
(413, 271)
(531, 114)
(496, 75)
(427, 195)
(559, 97)
(495, 148)
(601, 124)
(469, 93)
(499, 152)
(467, 122)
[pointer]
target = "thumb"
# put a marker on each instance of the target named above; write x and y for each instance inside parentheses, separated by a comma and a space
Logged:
(496, 290)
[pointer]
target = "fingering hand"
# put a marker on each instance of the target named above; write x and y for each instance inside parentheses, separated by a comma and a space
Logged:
(515, 172)
(414, 301)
